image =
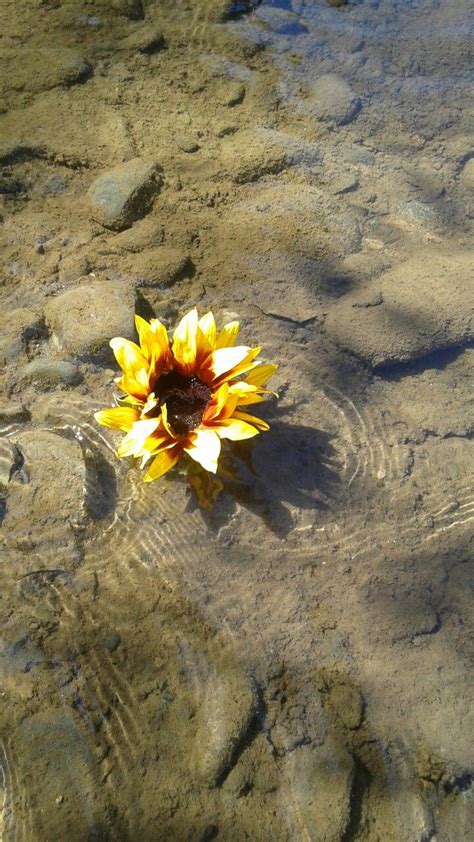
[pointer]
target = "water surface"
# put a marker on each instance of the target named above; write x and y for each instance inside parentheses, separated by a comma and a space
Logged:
(295, 664)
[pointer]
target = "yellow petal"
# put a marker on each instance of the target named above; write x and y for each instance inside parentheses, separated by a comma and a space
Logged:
(236, 372)
(133, 443)
(133, 388)
(128, 356)
(224, 360)
(204, 448)
(118, 417)
(252, 419)
(207, 330)
(245, 393)
(235, 429)
(206, 489)
(184, 342)
(228, 335)
(165, 422)
(151, 404)
(163, 462)
(261, 375)
(154, 341)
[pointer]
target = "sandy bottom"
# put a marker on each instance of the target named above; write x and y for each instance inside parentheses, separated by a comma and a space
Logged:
(293, 666)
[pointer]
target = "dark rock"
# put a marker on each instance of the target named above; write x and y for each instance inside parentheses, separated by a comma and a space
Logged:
(120, 196)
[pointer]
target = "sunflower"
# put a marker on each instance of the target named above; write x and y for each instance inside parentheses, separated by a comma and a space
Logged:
(182, 397)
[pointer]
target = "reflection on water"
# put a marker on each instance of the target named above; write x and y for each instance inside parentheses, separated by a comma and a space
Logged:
(293, 665)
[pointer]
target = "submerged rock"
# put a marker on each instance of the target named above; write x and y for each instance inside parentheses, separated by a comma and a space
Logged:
(159, 267)
(41, 70)
(131, 9)
(45, 373)
(423, 305)
(85, 318)
(333, 100)
(46, 502)
(124, 194)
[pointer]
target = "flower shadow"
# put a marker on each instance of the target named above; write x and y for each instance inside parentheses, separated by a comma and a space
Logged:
(293, 466)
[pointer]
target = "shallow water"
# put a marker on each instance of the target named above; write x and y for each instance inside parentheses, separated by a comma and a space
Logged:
(295, 664)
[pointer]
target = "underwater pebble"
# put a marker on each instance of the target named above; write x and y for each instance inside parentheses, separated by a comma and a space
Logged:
(249, 156)
(111, 642)
(466, 178)
(131, 9)
(146, 39)
(13, 412)
(348, 704)
(186, 144)
(157, 267)
(10, 458)
(23, 324)
(225, 717)
(233, 94)
(56, 472)
(121, 195)
(281, 21)
(143, 234)
(333, 100)
(73, 266)
(85, 318)
(45, 373)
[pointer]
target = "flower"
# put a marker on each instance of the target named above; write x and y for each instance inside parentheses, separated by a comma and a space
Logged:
(183, 397)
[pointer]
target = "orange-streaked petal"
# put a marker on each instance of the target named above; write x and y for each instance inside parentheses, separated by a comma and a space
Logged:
(261, 375)
(118, 417)
(204, 447)
(252, 419)
(184, 342)
(134, 442)
(217, 403)
(163, 462)
(154, 444)
(228, 335)
(235, 429)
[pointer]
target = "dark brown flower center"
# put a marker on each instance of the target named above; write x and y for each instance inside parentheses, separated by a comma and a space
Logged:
(185, 398)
